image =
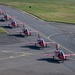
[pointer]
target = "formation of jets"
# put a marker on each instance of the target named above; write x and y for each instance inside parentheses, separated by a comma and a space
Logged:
(40, 41)
(7, 17)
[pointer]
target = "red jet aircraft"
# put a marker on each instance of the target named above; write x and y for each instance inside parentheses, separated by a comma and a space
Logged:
(6, 17)
(26, 31)
(41, 42)
(14, 23)
(60, 54)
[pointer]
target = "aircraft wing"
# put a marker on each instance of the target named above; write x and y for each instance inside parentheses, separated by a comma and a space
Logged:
(50, 55)
(19, 23)
(32, 31)
(50, 42)
(19, 32)
(69, 54)
(31, 42)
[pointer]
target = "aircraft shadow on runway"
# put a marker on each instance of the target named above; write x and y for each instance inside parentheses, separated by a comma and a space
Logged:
(17, 35)
(7, 27)
(32, 47)
(51, 60)
(1, 20)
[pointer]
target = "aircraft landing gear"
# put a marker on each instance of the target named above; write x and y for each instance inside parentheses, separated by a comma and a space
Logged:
(65, 58)
(17, 25)
(46, 45)
(20, 33)
(30, 34)
(53, 57)
(35, 44)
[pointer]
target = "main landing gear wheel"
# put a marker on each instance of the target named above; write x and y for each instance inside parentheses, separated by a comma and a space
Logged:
(46, 45)
(35, 44)
(65, 58)
(17, 25)
(53, 57)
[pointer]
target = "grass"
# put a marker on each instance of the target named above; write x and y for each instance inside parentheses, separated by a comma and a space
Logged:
(48, 10)
(2, 30)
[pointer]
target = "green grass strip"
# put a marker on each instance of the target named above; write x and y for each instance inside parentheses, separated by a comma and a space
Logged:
(2, 30)
(48, 10)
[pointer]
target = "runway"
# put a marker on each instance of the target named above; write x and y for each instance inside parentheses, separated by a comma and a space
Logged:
(19, 58)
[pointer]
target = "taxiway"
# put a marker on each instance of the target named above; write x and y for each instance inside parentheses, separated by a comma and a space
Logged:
(19, 58)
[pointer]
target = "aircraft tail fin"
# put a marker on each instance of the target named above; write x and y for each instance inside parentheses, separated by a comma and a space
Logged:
(23, 26)
(57, 46)
(38, 36)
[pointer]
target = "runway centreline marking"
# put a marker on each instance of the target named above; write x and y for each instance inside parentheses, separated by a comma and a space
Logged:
(54, 35)
(45, 36)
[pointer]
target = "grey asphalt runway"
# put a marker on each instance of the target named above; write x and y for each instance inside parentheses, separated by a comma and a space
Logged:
(19, 58)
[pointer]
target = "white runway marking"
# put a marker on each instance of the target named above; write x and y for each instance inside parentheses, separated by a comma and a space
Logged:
(15, 54)
(6, 51)
(21, 54)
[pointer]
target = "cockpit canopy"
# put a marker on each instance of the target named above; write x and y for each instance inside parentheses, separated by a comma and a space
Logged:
(61, 52)
(25, 29)
(13, 21)
(42, 40)
(5, 14)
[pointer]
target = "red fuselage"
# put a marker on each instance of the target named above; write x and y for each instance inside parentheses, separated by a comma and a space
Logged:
(26, 32)
(60, 55)
(41, 43)
(14, 24)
